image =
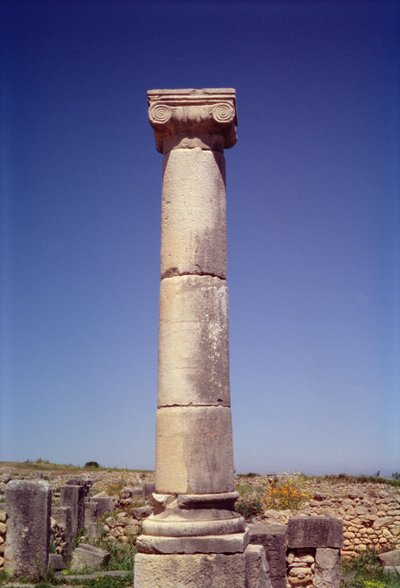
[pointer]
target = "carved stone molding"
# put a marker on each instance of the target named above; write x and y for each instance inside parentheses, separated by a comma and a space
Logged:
(193, 118)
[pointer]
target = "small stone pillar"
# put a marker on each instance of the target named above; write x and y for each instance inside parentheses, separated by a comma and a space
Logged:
(273, 538)
(28, 507)
(194, 538)
(74, 497)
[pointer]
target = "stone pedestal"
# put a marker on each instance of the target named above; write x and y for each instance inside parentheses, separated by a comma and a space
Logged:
(194, 531)
(28, 507)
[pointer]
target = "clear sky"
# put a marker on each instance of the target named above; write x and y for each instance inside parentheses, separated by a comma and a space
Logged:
(313, 226)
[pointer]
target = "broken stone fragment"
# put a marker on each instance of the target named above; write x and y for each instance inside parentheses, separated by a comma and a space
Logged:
(88, 557)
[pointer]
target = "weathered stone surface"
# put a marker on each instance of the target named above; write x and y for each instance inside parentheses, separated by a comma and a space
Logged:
(94, 531)
(257, 569)
(193, 365)
(194, 571)
(274, 540)
(175, 522)
(74, 497)
(85, 482)
(28, 507)
(193, 225)
(142, 512)
(232, 543)
(87, 556)
(56, 562)
(104, 504)
(194, 450)
(315, 532)
(392, 570)
(90, 512)
(390, 558)
(327, 568)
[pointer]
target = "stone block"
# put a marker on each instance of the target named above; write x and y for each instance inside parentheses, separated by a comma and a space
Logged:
(390, 558)
(95, 531)
(395, 570)
(74, 497)
(232, 543)
(327, 568)
(193, 224)
(62, 516)
(84, 482)
(104, 504)
(196, 571)
(273, 538)
(315, 532)
(194, 450)
(193, 361)
(90, 512)
(88, 557)
(142, 512)
(257, 569)
(56, 562)
(28, 507)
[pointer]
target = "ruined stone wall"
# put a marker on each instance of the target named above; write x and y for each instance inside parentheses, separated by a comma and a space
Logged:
(370, 513)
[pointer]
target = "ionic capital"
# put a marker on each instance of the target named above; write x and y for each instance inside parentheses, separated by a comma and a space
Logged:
(190, 118)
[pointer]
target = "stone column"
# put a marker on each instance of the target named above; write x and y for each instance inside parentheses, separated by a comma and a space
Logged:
(194, 495)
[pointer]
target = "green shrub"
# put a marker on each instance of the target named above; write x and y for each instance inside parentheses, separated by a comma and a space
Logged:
(121, 554)
(91, 464)
(250, 504)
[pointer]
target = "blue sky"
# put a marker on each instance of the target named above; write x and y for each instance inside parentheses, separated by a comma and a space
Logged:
(313, 226)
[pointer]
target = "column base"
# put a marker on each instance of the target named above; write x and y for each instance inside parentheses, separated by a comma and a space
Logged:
(196, 571)
(188, 524)
(228, 544)
(240, 570)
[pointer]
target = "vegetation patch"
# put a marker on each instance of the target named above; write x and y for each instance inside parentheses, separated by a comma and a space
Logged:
(285, 494)
(366, 571)
(251, 501)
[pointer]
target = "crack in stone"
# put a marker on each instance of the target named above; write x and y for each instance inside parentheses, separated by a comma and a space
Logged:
(174, 273)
